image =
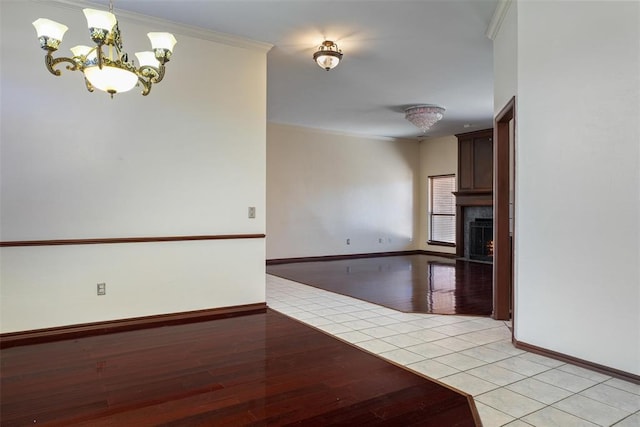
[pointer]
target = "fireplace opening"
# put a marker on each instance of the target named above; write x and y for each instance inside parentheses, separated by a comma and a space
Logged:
(481, 239)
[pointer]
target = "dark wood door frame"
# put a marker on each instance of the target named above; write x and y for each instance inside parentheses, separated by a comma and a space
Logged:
(502, 256)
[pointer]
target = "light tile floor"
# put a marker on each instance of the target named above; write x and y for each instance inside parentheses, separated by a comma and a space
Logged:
(511, 387)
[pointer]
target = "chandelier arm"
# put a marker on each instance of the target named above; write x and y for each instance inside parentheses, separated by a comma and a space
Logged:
(160, 76)
(152, 74)
(148, 75)
(146, 85)
(50, 62)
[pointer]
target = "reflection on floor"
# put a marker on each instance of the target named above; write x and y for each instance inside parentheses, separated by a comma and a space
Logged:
(407, 283)
(474, 354)
(258, 370)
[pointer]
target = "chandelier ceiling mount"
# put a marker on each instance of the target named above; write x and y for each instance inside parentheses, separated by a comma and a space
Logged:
(328, 55)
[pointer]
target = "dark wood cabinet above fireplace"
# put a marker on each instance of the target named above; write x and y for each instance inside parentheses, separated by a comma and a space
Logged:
(475, 161)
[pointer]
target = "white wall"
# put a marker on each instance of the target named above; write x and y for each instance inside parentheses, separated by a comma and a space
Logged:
(324, 188)
(186, 160)
(438, 156)
(578, 180)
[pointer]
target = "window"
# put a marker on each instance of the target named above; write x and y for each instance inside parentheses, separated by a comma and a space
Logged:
(442, 210)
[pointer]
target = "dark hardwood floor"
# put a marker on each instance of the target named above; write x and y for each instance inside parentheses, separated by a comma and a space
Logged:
(408, 283)
(259, 370)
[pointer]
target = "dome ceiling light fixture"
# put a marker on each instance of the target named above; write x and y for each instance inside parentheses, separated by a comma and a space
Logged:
(328, 55)
(109, 70)
(424, 116)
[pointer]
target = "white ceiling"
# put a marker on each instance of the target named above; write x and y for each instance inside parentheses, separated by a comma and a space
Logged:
(397, 53)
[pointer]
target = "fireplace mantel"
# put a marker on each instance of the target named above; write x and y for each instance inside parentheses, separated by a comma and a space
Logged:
(474, 198)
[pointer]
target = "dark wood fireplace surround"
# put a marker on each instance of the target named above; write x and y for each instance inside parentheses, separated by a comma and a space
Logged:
(475, 177)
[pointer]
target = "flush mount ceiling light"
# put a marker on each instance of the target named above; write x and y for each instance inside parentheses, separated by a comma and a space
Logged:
(328, 55)
(109, 70)
(424, 116)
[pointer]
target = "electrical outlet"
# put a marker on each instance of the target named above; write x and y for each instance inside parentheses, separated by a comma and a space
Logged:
(252, 212)
(348, 241)
(102, 289)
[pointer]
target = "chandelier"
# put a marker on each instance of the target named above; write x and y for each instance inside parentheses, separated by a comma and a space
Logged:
(328, 55)
(424, 116)
(105, 66)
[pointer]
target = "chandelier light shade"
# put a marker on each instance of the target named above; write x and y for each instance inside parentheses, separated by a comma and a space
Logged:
(328, 55)
(105, 66)
(424, 116)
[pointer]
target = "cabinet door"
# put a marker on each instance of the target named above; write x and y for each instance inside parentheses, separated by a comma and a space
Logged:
(483, 163)
(465, 164)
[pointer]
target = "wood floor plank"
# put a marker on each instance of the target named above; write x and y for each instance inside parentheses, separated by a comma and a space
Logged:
(261, 369)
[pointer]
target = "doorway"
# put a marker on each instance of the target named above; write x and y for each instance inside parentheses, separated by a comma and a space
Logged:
(504, 211)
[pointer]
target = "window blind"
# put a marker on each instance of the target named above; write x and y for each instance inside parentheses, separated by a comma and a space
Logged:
(443, 209)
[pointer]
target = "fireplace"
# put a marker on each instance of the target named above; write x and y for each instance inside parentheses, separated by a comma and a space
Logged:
(476, 224)
(481, 239)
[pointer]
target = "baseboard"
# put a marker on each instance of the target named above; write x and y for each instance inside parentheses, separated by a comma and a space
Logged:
(627, 376)
(36, 336)
(440, 254)
(353, 256)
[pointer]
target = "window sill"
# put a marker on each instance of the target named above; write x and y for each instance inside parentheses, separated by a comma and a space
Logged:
(434, 243)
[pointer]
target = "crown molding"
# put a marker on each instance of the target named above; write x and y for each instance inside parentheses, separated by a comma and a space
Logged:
(338, 132)
(170, 26)
(498, 16)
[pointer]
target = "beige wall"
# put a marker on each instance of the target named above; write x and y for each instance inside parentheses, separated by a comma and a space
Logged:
(324, 188)
(188, 159)
(438, 156)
